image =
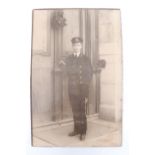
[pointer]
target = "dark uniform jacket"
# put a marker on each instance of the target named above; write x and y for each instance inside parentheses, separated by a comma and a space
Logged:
(79, 72)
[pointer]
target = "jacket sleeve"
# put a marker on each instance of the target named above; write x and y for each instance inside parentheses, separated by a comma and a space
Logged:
(70, 69)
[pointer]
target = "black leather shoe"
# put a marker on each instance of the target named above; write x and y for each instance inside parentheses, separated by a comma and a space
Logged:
(82, 136)
(73, 133)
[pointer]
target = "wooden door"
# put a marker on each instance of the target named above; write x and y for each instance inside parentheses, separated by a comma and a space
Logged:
(79, 22)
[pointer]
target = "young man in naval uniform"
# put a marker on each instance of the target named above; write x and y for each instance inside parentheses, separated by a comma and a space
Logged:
(79, 71)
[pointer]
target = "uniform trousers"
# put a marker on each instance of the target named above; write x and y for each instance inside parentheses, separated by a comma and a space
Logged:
(79, 112)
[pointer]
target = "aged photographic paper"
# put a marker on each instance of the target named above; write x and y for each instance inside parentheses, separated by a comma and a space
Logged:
(76, 78)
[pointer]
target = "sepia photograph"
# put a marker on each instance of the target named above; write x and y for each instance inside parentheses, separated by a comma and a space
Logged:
(76, 78)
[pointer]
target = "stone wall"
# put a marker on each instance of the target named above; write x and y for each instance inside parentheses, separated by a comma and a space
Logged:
(111, 75)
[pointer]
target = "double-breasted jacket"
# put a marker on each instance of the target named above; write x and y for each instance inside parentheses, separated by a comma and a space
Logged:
(79, 70)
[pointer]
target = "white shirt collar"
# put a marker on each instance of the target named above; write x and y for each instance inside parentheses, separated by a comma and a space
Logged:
(77, 54)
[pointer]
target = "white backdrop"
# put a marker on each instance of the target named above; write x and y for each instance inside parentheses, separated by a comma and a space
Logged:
(138, 27)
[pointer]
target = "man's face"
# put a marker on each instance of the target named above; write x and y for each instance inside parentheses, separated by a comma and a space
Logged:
(77, 47)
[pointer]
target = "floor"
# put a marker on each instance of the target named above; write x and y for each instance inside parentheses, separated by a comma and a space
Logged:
(99, 134)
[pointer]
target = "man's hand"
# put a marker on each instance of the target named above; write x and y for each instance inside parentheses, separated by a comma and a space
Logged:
(86, 100)
(62, 63)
